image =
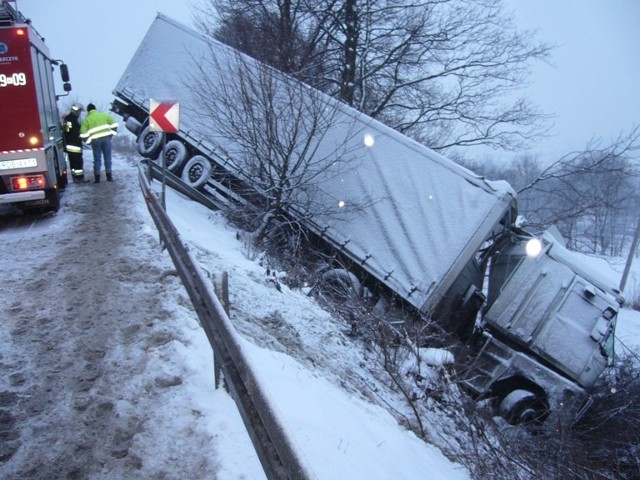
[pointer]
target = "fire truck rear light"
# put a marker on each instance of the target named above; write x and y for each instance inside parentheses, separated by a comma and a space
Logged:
(20, 32)
(29, 182)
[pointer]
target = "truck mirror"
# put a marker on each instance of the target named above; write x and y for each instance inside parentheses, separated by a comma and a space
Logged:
(64, 73)
(66, 87)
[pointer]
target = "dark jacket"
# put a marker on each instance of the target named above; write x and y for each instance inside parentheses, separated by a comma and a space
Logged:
(71, 132)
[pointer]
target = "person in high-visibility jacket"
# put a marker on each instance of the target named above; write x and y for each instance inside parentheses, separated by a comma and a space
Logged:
(73, 142)
(96, 130)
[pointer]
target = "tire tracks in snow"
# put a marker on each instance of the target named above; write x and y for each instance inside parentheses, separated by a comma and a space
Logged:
(84, 299)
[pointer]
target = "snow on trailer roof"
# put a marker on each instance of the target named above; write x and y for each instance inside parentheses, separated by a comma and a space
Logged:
(416, 216)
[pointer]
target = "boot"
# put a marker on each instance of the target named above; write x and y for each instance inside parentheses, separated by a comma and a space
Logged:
(96, 178)
(109, 177)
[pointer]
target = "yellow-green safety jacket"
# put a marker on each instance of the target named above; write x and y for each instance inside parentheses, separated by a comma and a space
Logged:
(97, 125)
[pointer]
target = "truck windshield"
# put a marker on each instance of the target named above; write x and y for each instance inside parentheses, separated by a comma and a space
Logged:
(608, 343)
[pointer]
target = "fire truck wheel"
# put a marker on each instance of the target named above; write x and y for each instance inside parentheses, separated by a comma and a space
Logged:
(53, 197)
(341, 283)
(520, 407)
(61, 178)
(149, 143)
(197, 171)
(175, 153)
(55, 200)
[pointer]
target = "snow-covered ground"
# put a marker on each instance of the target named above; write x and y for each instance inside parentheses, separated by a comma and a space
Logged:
(106, 372)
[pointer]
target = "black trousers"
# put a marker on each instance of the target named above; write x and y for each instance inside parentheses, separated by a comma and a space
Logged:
(77, 164)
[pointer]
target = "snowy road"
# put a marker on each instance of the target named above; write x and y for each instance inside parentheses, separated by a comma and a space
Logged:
(81, 294)
(105, 372)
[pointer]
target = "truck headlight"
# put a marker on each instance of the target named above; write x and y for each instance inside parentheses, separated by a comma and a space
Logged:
(534, 247)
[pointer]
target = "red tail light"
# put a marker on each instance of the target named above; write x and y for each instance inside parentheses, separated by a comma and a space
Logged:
(28, 182)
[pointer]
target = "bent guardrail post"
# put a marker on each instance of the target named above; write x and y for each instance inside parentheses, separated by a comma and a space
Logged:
(277, 455)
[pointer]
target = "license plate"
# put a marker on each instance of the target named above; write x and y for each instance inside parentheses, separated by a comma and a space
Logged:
(19, 163)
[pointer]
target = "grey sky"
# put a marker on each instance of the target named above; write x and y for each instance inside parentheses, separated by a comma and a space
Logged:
(592, 88)
(97, 38)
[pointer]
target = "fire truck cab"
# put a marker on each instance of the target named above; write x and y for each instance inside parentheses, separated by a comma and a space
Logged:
(33, 167)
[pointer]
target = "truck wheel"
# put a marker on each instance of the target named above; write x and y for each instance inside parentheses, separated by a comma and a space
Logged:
(54, 197)
(149, 143)
(197, 171)
(61, 175)
(520, 407)
(341, 283)
(175, 153)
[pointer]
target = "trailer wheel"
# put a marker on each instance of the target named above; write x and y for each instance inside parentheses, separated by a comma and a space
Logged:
(521, 407)
(341, 283)
(149, 143)
(175, 153)
(197, 171)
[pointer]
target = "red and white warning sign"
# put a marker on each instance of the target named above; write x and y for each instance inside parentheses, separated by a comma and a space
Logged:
(164, 115)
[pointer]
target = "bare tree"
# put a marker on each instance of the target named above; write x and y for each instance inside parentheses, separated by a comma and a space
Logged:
(436, 70)
(586, 193)
(283, 135)
(591, 195)
(278, 33)
(611, 189)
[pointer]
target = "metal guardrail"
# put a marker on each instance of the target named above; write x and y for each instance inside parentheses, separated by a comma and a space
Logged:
(275, 451)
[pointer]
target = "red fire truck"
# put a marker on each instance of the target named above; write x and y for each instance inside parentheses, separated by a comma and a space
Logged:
(33, 167)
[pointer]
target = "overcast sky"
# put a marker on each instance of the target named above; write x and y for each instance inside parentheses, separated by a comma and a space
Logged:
(593, 88)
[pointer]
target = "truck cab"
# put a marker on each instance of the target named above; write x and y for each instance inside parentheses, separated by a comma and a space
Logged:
(558, 320)
(33, 168)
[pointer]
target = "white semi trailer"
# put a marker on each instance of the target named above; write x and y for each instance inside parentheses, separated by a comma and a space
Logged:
(423, 231)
